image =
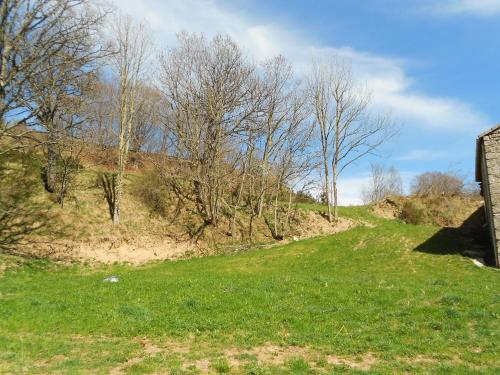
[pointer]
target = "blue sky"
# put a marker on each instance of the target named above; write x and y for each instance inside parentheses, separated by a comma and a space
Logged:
(434, 64)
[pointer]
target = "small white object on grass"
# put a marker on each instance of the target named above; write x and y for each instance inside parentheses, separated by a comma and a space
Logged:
(111, 279)
(295, 238)
(478, 262)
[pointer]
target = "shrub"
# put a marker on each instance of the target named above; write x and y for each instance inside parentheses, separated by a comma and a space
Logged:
(411, 213)
(438, 183)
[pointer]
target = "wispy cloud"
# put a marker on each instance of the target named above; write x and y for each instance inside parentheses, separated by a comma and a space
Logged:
(482, 8)
(393, 89)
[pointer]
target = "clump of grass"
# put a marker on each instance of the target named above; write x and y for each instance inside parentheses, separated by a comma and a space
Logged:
(450, 300)
(221, 366)
(254, 369)
(299, 365)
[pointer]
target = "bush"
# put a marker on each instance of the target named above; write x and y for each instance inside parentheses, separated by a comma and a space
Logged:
(437, 183)
(411, 213)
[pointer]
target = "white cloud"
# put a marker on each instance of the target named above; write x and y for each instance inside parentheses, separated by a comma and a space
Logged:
(392, 88)
(350, 190)
(423, 155)
(483, 8)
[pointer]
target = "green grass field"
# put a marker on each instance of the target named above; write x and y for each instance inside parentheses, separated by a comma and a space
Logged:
(389, 298)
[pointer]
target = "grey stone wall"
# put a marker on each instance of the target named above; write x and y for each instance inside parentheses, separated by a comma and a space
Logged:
(491, 185)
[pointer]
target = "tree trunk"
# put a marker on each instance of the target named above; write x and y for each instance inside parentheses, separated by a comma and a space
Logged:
(263, 180)
(250, 226)
(122, 159)
(335, 163)
(327, 189)
(127, 112)
(117, 195)
(276, 230)
(238, 200)
(50, 169)
(64, 184)
(287, 221)
(260, 204)
(335, 196)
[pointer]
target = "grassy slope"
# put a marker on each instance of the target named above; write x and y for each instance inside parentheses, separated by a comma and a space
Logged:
(363, 291)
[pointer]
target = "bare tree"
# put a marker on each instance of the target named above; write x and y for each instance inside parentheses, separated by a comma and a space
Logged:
(54, 94)
(211, 91)
(147, 119)
(438, 183)
(292, 164)
(347, 131)
(34, 37)
(383, 182)
(320, 88)
(101, 114)
(278, 86)
(133, 48)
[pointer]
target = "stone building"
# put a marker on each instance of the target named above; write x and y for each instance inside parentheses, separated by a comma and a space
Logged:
(488, 175)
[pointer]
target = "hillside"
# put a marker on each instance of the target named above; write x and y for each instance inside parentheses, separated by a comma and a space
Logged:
(156, 224)
(383, 297)
(171, 174)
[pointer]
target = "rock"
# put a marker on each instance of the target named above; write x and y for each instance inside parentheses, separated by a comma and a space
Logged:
(295, 238)
(478, 262)
(111, 279)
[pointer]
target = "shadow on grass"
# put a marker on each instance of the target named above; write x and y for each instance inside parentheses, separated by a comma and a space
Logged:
(471, 239)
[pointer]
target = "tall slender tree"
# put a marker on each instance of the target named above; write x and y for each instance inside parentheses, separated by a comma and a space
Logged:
(347, 129)
(130, 62)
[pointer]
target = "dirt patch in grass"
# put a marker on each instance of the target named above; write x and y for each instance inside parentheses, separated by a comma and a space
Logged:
(137, 250)
(149, 350)
(133, 251)
(202, 357)
(274, 355)
(363, 362)
(267, 355)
